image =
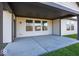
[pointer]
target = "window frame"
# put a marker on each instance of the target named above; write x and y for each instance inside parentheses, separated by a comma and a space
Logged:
(72, 27)
(43, 22)
(29, 24)
(37, 26)
(68, 28)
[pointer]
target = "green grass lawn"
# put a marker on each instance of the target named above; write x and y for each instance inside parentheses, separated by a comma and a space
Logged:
(72, 50)
(74, 36)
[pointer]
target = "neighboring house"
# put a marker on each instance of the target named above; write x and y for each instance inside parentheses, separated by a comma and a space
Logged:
(65, 26)
(34, 19)
(68, 26)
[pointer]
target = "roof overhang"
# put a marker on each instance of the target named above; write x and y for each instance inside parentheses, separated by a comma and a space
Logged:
(61, 5)
(40, 10)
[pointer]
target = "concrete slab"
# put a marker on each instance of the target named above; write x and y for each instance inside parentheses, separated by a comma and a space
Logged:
(23, 47)
(33, 46)
(51, 43)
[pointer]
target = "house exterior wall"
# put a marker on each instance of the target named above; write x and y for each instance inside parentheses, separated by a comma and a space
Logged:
(21, 28)
(64, 23)
(56, 27)
(7, 27)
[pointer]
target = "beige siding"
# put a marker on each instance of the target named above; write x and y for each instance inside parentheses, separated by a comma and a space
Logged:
(56, 30)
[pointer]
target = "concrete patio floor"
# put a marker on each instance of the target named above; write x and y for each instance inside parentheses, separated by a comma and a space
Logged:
(33, 46)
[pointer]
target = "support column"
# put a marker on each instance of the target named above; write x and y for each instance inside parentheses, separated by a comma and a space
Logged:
(13, 27)
(60, 27)
(7, 23)
(78, 27)
(1, 22)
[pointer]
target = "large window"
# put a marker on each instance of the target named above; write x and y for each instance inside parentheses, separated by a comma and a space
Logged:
(29, 25)
(44, 25)
(37, 25)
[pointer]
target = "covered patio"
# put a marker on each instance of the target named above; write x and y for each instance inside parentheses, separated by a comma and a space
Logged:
(36, 45)
(39, 10)
(33, 46)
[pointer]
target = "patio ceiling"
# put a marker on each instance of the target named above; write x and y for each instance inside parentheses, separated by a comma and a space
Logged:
(38, 10)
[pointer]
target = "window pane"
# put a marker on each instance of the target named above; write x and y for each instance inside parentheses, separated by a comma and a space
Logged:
(29, 28)
(44, 25)
(29, 21)
(67, 27)
(37, 25)
(37, 21)
(37, 28)
(72, 27)
(29, 25)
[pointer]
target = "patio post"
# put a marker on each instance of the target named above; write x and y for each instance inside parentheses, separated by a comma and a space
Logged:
(60, 27)
(1, 22)
(78, 27)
